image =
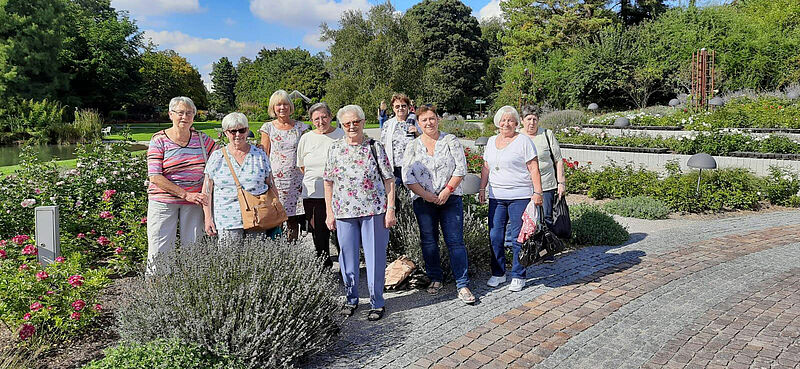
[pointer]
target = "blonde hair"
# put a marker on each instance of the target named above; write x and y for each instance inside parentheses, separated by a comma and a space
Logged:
(277, 98)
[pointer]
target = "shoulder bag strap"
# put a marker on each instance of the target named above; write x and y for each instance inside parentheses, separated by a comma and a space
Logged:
(233, 173)
(552, 158)
(375, 156)
(203, 147)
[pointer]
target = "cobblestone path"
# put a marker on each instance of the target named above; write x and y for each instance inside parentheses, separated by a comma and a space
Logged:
(719, 294)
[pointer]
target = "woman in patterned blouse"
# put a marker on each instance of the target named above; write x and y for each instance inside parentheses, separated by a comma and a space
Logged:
(251, 164)
(359, 199)
(433, 167)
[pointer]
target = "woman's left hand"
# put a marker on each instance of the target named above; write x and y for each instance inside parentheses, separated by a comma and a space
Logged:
(537, 199)
(390, 220)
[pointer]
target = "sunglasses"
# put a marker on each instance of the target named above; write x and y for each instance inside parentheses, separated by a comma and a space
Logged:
(240, 131)
(354, 123)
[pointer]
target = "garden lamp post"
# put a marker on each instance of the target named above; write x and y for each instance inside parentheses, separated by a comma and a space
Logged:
(701, 161)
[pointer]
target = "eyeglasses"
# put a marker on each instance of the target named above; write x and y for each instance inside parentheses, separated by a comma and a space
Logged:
(241, 131)
(183, 113)
(398, 107)
(354, 123)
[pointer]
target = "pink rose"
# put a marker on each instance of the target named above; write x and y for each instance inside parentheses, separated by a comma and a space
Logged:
(118, 250)
(102, 240)
(78, 305)
(80, 235)
(120, 232)
(60, 259)
(76, 315)
(36, 306)
(42, 275)
(23, 267)
(143, 220)
(75, 280)
(3, 254)
(20, 239)
(50, 292)
(98, 307)
(106, 215)
(26, 331)
(30, 250)
(107, 194)
(27, 316)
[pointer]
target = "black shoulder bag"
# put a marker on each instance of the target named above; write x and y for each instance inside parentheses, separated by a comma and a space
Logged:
(562, 226)
(541, 244)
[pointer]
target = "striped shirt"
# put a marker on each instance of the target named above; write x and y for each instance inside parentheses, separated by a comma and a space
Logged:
(181, 165)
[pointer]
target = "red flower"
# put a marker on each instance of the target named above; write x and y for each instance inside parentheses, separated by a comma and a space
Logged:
(26, 331)
(60, 259)
(27, 316)
(120, 232)
(75, 280)
(143, 220)
(23, 267)
(118, 250)
(78, 305)
(106, 215)
(36, 306)
(107, 194)
(98, 307)
(3, 254)
(30, 250)
(76, 315)
(102, 240)
(80, 235)
(20, 239)
(42, 275)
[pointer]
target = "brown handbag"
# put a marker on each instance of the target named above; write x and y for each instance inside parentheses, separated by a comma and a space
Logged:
(259, 212)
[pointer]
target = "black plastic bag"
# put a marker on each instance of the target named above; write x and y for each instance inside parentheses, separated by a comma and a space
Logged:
(562, 227)
(541, 244)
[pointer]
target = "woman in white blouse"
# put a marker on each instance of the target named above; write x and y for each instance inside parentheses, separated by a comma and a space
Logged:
(433, 167)
(511, 171)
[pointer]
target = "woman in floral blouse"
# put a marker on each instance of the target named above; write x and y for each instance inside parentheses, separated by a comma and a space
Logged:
(359, 198)
(279, 139)
(433, 167)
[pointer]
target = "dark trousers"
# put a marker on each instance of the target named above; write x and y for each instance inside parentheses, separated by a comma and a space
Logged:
(548, 200)
(398, 176)
(316, 214)
(450, 217)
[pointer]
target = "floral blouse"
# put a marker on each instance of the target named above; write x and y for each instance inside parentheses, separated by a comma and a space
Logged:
(434, 172)
(283, 159)
(358, 189)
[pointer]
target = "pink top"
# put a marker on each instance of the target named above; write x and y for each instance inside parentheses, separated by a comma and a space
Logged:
(181, 165)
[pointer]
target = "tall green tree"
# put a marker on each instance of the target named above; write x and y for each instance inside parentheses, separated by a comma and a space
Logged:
(538, 26)
(634, 11)
(224, 76)
(101, 53)
(287, 69)
(370, 58)
(446, 39)
(491, 32)
(165, 74)
(32, 34)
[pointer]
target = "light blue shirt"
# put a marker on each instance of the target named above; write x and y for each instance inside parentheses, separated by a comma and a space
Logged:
(253, 174)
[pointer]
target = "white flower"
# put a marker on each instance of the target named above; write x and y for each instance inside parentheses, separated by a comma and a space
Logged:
(786, 177)
(758, 193)
(115, 172)
(53, 198)
(146, 183)
(101, 180)
(79, 164)
(27, 202)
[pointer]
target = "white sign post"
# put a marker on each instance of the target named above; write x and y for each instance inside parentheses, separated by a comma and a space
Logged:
(48, 235)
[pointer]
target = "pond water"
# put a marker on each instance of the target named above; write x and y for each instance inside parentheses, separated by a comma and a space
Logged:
(9, 155)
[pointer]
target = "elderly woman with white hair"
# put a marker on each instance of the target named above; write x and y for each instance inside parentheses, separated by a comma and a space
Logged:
(359, 199)
(511, 171)
(280, 138)
(176, 158)
(223, 216)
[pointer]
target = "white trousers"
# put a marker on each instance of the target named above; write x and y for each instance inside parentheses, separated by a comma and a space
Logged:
(162, 226)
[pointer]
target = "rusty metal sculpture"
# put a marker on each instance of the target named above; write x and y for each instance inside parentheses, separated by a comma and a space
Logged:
(702, 74)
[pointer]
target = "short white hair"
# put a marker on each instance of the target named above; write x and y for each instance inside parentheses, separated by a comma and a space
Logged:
(508, 109)
(350, 109)
(173, 104)
(234, 120)
(277, 98)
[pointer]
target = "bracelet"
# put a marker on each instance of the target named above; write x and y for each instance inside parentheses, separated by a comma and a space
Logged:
(449, 187)
(391, 208)
(561, 182)
(538, 193)
(482, 189)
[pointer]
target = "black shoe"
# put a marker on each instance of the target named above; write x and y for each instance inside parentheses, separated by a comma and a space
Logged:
(375, 314)
(348, 309)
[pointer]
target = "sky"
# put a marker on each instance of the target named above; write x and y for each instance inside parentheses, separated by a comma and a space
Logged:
(203, 31)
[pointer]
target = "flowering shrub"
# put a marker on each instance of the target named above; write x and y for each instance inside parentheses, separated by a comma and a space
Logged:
(474, 160)
(59, 299)
(782, 187)
(244, 300)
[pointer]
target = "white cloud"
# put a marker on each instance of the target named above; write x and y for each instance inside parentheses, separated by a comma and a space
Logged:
(229, 21)
(185, 44)
(157, 7)
(312, 40)
(492, 9)
(304, 13)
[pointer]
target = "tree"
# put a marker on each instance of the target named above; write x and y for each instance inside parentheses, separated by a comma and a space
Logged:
(287, 69)
(165, 74)
(446, 39)
(32, 34)
(634, 11)
(370, 59)
(101, 53)
(536, 27)
(491, 31)
(223, 75)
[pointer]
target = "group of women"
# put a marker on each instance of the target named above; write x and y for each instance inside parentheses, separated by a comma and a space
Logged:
(340, 180)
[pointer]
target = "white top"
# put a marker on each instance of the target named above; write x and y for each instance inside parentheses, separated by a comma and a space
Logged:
(509, 178)
(433, 172)
(312, 153)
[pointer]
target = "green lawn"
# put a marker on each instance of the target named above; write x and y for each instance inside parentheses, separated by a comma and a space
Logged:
(145, 131)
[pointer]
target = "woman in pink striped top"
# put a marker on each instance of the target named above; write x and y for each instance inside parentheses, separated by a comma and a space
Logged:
(176, 159)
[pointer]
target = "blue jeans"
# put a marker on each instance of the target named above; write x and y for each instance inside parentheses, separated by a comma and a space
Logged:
(548, 200)
(450, 216)
(505, 223)
(370, 233)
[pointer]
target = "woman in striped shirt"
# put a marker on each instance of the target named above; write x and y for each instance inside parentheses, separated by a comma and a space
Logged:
(176, 160)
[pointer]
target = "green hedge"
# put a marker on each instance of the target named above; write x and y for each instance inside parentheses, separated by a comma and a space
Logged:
(161, 354)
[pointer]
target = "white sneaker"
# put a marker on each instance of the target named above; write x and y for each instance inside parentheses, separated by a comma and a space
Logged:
(496, 281)
(516, 284)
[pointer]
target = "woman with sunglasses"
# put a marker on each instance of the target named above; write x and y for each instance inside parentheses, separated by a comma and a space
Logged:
(223, 216)
(359, 201)
(397, 132)
(279, 139)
